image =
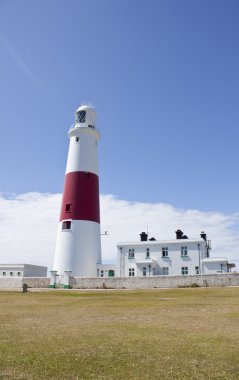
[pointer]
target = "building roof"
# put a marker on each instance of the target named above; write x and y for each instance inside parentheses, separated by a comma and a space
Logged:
(215, 260)
(157, 242)
(21, 265)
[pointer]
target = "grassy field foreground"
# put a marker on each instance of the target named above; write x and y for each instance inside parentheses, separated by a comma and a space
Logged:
(153, 334)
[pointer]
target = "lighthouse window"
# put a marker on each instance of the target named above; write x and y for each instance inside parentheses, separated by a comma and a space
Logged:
(77, 139)
(68, 207)
(81, 117)
(66, 225)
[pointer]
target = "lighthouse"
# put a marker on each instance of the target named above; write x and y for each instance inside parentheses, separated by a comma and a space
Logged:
(78, 245)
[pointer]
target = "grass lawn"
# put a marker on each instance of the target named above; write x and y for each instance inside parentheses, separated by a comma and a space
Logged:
(151, 334)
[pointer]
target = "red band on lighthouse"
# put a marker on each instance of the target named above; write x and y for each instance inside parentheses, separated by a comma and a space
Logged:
(81, 197)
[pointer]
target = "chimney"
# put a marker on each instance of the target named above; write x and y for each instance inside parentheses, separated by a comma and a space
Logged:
(179, 234)
(143, 236)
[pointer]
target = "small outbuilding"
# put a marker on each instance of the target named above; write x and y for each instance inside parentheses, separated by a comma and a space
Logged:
(22, 270)
(217, 265)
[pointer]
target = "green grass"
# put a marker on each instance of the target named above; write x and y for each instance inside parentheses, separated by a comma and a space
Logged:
(154, 334)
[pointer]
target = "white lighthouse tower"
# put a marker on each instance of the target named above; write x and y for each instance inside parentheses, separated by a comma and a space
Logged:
(78, 246)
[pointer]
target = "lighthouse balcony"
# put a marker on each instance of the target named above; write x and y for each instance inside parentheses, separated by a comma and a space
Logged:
(81, 125)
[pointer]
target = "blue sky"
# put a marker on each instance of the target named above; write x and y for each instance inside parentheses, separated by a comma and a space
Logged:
(163, 76)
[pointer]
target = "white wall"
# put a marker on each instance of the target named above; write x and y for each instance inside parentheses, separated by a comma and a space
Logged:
(20, 270)
(34, 271)
(78, 249)
(196, 250)
(16, 272)
(103, 270)
(215, 267)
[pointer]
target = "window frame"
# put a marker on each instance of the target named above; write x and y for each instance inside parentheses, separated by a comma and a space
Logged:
(131, 272)
(68, 207)
(66, 225)
(164, 252)
(184, 271)
(81, 116)
(184, 251)
(131, 253)
(165, 269)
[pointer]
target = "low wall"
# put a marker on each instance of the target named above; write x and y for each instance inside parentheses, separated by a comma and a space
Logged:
(36, 282)
(17, 282)
(214, 280)
(10, 283)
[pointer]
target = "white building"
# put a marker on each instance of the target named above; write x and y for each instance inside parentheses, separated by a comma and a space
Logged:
(22, 270)
(107, 270)
(182, 256)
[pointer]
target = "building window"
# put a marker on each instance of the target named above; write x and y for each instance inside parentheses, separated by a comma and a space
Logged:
(131, 272)
(91, 126)
(144, 271)
(101, 273)
(165, 252)
(81, 116)
(184, 270)
(165, 271)
(111, 273)
(4, 273)
(196, 270)
(77, 139)
(66, 225)
(147, 253)
(19, 274)
(11, 274)
(131, 253)
(184, 251)
(68, 207)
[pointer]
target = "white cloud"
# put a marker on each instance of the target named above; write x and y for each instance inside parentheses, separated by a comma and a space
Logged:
(28, 225)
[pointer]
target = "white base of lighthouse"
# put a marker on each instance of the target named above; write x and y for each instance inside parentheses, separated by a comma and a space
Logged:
(78, 249)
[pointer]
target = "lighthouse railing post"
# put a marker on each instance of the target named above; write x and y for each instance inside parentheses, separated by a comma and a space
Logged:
(67, 274)
(53, 279)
